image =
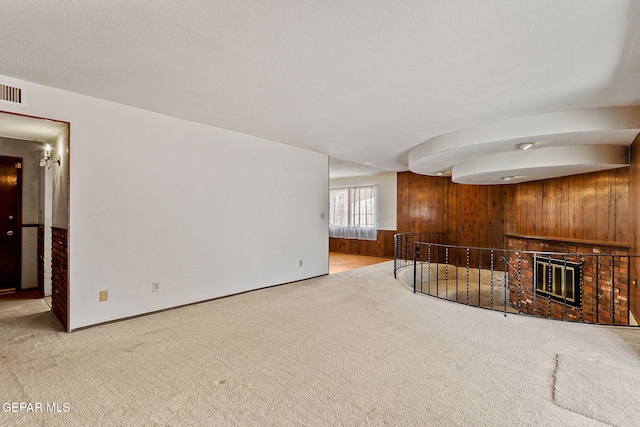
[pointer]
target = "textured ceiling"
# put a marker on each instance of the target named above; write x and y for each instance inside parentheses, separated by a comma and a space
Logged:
(362, 81)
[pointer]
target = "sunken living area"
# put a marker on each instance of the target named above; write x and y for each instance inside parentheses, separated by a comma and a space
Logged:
(591, 217)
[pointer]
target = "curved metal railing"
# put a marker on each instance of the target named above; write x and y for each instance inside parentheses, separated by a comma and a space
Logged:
(578, 287)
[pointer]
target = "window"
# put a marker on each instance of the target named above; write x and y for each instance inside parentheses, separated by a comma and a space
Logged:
(557, 280)
(352, 213)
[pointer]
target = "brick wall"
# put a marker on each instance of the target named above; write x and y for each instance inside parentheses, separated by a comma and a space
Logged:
(60, 282)
(604, 278)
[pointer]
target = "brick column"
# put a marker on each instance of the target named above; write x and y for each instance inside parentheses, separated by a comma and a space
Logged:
(60, 281)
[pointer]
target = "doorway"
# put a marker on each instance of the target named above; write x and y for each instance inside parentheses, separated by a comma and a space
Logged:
(10, 223)
(38, 149)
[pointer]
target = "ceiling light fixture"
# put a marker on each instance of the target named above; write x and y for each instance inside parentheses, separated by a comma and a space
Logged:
(507, 178)
(439, 173)
(525, 145)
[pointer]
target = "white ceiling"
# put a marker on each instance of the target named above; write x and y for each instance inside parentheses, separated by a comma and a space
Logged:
(557, 144)
(362, 81)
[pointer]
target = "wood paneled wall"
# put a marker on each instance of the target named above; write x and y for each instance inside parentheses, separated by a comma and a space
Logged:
(592, 207)
(382, 247)
(469, 215)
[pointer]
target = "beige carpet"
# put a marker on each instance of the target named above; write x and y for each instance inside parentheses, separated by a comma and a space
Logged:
(597, 389)
(355, 348)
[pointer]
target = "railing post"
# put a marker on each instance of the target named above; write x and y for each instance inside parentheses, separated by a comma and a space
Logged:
(581, 291)
(446, 273)
(629, 288)
(395, 256)
(428, 271)
(479, 277)
(467, 271)
(534, 288)
(613, 290)
(438, 271)
(519, 283)
(414, 265)
(549, 289)
(491, 268)
(597, 289)
(421, 272)
(564, 289)
(506, 283)
(457, 270)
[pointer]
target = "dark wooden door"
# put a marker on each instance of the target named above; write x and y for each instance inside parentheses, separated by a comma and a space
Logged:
(10, 222)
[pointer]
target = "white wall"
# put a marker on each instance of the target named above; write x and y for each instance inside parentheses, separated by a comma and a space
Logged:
(47, 220)
(60, 184)
(205, 211)
(387, 191)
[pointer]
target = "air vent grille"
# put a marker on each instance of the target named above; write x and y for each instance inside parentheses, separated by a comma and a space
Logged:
(10, 94)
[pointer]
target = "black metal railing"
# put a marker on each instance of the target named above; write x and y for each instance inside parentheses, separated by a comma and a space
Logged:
(403, 247)
(587, 288)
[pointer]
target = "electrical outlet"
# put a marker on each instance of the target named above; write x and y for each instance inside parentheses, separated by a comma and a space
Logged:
(104, 296)
(300, 263)
(156, 287)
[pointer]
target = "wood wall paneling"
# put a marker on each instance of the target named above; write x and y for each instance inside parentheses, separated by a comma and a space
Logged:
(464, 214)
(509, 214)
(602, 207)
(452, 211)
(621, 196)
(592, 207)
(382, 247)
(575, 202)
(537, 215)
(589, 207)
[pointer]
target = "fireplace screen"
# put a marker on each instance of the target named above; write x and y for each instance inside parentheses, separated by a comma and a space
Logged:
(559, 280)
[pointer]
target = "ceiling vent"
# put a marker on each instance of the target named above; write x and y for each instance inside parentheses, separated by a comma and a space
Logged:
(12, 95)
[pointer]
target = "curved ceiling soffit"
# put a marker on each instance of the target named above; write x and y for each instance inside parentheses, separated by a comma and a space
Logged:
(565, 143)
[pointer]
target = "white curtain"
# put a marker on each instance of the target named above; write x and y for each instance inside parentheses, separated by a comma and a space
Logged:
(352, 213)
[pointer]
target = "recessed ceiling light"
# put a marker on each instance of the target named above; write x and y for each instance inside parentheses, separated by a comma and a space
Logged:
(507, 178)
(525, 145)
(439, 173)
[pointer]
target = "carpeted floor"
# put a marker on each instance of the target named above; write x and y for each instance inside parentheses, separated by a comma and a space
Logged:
(354, 348)
(580, 381)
